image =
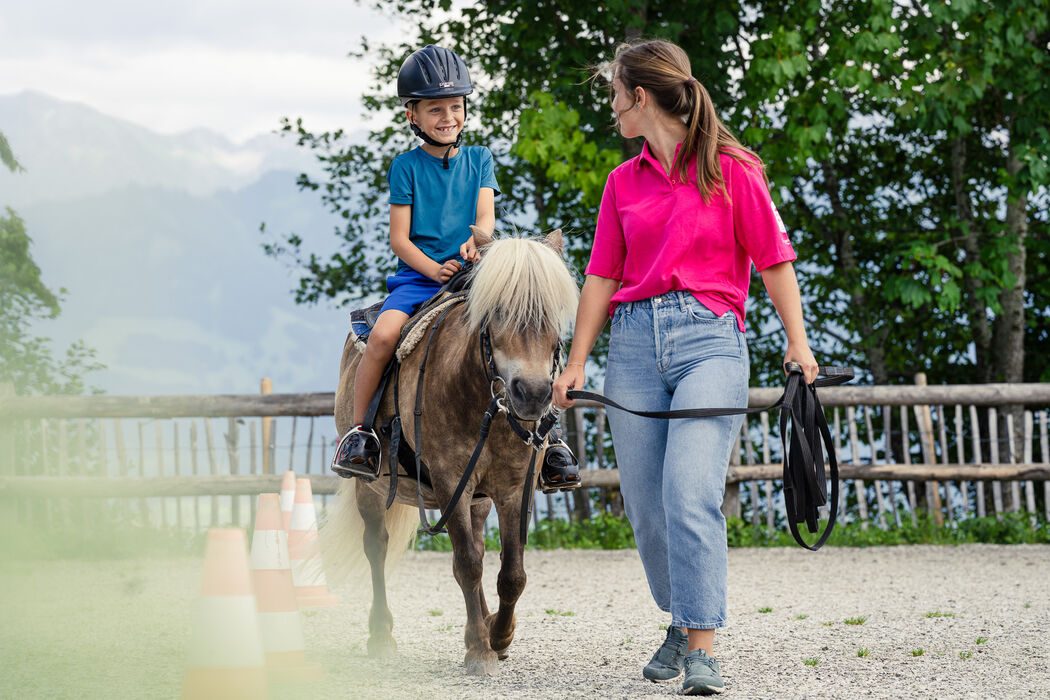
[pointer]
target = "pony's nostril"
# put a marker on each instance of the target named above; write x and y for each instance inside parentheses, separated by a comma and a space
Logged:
(517, 391)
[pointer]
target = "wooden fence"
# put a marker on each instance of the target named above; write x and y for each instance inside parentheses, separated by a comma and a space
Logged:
(195, 461)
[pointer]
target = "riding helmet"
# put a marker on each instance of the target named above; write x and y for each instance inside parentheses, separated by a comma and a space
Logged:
(432, 72)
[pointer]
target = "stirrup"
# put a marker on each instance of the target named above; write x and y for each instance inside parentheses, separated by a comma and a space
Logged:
(354, 457)
(566, 476)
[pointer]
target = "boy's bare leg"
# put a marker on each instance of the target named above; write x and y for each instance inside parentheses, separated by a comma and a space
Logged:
(380, 348)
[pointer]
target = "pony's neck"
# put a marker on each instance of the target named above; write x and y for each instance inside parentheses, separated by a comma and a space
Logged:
(459, 365)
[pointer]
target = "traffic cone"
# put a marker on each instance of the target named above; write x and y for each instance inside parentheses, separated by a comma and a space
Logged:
(287, 497)
(282, 630)
(311, 587)
(226, 653)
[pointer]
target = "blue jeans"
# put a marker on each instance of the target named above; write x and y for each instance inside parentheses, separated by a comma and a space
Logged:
(671, 352)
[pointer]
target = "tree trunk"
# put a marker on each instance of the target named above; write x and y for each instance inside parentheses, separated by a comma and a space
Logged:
(977, 310)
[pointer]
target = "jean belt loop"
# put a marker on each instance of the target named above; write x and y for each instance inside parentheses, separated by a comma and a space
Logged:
(683, 304)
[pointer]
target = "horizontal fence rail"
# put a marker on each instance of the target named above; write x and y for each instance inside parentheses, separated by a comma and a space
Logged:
(952, 451)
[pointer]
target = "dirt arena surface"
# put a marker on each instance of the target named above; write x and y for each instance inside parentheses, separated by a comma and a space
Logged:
(944, 622)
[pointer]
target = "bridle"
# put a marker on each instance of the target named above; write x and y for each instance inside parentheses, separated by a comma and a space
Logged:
(535, 437)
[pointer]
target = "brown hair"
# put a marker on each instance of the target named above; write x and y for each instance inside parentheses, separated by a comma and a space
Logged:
(663, 70)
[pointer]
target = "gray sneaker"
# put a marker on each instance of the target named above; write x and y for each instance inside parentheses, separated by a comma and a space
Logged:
(668, 661)
(702, 675)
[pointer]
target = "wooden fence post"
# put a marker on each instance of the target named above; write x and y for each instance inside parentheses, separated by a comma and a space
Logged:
(975, 438)
(232, 439)
(267, 427)
(924, 422)
(582, 495)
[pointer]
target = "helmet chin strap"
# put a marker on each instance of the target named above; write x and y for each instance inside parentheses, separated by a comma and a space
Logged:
(434, 142)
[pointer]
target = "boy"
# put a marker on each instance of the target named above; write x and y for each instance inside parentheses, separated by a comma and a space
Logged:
(436, 192)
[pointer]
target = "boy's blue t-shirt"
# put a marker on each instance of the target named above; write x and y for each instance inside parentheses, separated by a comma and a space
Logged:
(444, 202)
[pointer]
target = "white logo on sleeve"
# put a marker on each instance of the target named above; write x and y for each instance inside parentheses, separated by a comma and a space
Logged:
(780, 222)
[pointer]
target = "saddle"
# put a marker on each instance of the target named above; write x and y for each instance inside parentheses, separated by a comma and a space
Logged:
(361, 323)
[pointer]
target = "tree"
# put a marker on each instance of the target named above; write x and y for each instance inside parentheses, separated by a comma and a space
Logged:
(906, 144)
(908, 139)
(26, 360)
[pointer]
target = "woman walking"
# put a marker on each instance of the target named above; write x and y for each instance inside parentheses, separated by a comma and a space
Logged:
(678, 230)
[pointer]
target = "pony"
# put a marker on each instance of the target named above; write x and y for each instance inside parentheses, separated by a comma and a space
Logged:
(524, 296)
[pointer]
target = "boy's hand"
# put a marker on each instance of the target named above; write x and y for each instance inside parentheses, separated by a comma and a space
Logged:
(447, 270)
(469, 251)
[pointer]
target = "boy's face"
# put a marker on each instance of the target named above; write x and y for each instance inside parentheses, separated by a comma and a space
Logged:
(440, 119)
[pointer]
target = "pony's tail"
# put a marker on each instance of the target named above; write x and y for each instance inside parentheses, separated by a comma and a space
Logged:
(342, 530)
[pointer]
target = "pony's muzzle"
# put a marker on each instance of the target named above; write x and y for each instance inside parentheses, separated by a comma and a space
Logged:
(529, 398)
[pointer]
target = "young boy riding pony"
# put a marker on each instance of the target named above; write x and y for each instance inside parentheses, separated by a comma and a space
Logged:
(437, 191)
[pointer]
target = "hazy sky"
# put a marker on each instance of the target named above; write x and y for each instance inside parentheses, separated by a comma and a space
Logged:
(235, 66)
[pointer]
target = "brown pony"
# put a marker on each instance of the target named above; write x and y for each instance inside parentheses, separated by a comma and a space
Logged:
(522, 292)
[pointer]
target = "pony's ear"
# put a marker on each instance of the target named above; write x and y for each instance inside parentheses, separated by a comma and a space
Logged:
(554, 241)
(480, 237)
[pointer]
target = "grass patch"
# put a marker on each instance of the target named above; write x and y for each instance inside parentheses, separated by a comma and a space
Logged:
(827, 624)
(559, 613)
(435, 613)
(605, 531)
(812, 661)
(863, 651)
(965, 654)
(855, 620)
(765, 610)
(918, 652)
(940, 614)
(981, 640)
(801, 617)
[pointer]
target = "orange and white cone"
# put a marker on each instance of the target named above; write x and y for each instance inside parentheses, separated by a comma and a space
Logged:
(226, 653)
(311, 587)
(287, 497)
(282, 630)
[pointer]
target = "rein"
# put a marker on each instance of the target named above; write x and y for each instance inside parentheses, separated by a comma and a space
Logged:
(801, 417)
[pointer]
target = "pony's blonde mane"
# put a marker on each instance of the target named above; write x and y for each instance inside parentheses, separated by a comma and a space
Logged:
(521, 284)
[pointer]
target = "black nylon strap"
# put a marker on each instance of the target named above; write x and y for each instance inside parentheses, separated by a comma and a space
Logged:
(801, 416)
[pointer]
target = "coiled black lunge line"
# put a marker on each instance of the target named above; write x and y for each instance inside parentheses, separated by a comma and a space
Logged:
(805, 437)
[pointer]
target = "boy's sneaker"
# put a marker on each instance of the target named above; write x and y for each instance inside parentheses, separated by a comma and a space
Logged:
(702, 675)
(668, 661)
(560, 470)
(357, 454)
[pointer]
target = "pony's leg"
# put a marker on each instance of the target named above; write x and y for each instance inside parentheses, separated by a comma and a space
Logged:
(479, 512)
(372, 507)
(480, 660)
(511, 580)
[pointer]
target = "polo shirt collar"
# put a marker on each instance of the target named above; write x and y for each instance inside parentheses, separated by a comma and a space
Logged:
(647, 156)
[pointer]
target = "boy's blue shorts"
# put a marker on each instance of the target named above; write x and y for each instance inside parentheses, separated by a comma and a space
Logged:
(408, 290)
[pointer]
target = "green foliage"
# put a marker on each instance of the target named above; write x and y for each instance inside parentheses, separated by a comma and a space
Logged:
(855, 621)
(27, 360)
(863, 651)
(812, 661)
(605, 531)
(907, 147)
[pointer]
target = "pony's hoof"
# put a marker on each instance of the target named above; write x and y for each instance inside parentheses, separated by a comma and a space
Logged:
(500, 642)
(381, 648)
(481, 663)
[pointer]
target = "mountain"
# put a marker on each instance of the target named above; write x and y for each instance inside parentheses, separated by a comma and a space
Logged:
(71, 150)
(156, 240)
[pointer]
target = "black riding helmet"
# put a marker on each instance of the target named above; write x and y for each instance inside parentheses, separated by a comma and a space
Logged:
(432, 73)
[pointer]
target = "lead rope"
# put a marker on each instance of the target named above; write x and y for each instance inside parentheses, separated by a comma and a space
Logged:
(801, 416)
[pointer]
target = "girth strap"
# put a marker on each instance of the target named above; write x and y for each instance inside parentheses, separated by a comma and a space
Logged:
(801, 415)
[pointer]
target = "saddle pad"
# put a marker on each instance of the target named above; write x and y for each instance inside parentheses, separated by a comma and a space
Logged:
(416, 326)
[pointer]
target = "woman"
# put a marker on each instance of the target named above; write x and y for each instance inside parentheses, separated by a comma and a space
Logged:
(678, 230)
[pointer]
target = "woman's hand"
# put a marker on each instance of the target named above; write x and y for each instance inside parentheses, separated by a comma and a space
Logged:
(447, 270)
(571, 378)
(804, 357)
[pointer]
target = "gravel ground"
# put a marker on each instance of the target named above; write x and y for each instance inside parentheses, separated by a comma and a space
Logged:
(945, 622)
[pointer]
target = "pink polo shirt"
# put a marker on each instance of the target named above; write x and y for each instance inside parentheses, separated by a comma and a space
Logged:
(656, 234)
